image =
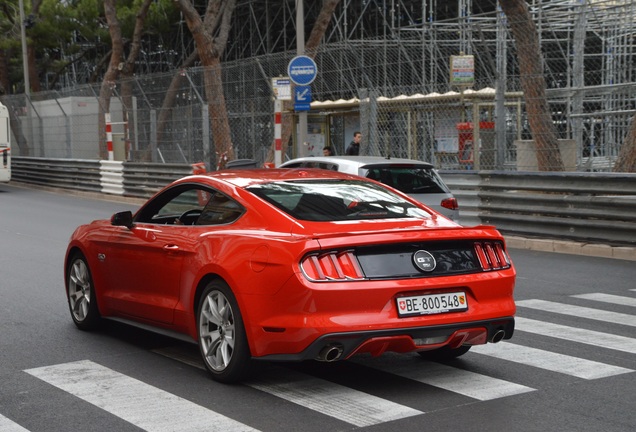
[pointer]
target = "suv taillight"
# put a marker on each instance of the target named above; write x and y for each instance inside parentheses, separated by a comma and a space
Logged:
(450, 203)
(332, 266)
(492, 256)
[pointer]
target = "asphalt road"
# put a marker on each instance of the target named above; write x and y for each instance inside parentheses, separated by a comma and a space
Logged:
(570, 366)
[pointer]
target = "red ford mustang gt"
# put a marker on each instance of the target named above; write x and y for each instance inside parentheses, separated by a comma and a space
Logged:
(293, 264)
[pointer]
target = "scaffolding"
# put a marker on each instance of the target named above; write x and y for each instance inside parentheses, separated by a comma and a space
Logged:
(375, 49)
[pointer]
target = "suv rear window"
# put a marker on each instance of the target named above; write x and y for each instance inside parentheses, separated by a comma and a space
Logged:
(407, 179)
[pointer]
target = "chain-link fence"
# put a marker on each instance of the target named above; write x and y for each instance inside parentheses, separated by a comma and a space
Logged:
(447, 92)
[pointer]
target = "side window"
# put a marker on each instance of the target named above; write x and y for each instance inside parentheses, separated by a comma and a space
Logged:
(189, 201)
(189, 205)
(220, 209)
(327, 166)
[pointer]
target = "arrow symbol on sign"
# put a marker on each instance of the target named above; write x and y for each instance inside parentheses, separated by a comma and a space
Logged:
(301, 95)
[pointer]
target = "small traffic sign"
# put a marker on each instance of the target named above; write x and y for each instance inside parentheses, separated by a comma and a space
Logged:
(302, 70)
(302, 94)
(282, 88)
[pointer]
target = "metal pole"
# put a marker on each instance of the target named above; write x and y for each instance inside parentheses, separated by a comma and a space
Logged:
(500, 94)
(300, 50)
(27, 84)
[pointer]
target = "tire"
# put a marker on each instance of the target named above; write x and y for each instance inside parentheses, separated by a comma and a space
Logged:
(80, 292)
(444, 353)
(222, 339)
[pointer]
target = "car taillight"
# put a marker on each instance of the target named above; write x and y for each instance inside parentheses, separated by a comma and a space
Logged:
(492, 256)
(332, 266)
(450, 203)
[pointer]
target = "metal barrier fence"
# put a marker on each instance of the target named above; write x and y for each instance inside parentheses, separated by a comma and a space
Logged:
(582, 206)
(591, 207)
(139, 180)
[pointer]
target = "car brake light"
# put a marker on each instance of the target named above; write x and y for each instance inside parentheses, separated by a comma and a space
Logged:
(332, 266)
(492, 256)
(450, 203)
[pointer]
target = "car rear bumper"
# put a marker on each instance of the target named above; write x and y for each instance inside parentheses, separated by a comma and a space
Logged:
(341, 346)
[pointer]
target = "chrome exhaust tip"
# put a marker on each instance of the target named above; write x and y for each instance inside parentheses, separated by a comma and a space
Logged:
(498, 336)
(330, 353)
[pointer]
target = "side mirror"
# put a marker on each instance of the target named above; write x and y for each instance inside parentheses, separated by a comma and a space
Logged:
(124, 218)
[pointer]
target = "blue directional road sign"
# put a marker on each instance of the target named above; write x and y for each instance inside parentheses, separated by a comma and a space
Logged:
(302, 70)
(302, 98)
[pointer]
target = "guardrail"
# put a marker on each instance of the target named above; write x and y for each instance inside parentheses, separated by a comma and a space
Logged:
(63, 173)
(593, 207)
(589, 207)
(132, 179)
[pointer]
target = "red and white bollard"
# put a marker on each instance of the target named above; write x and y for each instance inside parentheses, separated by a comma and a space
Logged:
(109, 137)
(278, 149)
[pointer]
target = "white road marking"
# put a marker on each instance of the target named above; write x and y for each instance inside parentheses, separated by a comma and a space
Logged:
(578, 367)
(579, 311)
(471, 384)
(589, 337)
(337, 401)
(141, 404)
(608, 298)
(7, 425)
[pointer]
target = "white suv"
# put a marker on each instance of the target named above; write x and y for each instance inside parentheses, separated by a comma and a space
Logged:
(415, 178)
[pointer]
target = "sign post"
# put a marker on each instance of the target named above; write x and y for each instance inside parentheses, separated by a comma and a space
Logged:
(302, 70)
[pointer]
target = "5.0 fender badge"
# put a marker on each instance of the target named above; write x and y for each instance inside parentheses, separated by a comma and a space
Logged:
(424, 261)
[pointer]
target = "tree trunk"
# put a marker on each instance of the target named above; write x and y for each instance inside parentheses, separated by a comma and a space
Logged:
(311, 49)
(533, 84)
(34, 78)
(626, 161)
(112, 73)
(129, 69)
(171, 96)
(210, 36)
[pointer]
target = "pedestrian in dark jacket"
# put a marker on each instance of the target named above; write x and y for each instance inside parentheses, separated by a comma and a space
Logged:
(354, 146)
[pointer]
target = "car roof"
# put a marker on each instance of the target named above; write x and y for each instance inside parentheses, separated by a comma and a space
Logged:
(360, 161)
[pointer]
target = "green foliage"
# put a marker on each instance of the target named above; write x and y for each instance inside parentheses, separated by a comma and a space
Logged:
(76, 30)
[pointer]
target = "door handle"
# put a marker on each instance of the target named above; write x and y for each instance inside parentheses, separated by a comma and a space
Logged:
(171, 247)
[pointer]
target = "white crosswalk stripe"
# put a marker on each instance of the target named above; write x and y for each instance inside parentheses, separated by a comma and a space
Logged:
(141, 404)
(331, 399)
(589, 337)
(608, 298)
(343, 403)
(555, 362)
(471, 384)
(7, 425)
(579, 311)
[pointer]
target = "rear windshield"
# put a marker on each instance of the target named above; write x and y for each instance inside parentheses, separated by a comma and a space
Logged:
(407, 179)
(336, 200)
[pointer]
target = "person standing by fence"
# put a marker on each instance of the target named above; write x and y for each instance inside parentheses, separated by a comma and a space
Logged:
(354, 146)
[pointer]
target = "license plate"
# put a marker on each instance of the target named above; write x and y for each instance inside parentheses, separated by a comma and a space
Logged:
(432, 304)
